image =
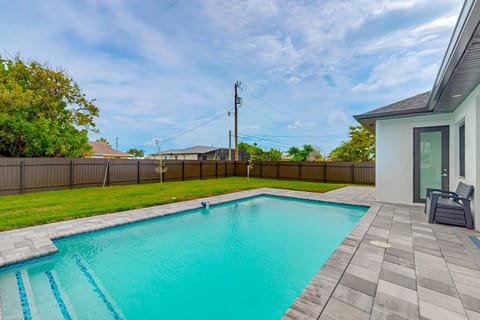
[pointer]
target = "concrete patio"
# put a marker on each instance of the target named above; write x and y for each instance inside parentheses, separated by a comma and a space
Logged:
(428, 272)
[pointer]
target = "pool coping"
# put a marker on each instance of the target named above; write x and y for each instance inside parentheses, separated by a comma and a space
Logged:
(20, 245)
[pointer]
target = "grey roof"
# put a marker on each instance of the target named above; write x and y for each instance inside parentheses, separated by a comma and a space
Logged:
(409, 106)
(191, 150)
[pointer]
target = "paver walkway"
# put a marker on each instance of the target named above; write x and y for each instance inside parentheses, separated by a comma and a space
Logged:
(427, 272)
(430, 271)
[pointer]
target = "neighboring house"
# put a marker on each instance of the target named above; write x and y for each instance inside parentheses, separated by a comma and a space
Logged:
(102, 150)
(433, 139)
(199, 153)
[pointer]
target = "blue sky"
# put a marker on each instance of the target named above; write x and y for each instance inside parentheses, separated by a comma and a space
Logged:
(158, 69)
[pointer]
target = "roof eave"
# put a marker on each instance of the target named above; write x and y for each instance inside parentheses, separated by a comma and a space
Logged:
(460, 40)
(369, 120)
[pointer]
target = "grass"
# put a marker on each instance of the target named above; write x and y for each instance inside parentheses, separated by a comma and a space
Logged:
(29, 209)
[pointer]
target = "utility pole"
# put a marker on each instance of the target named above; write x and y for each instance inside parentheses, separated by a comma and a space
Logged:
(229, 145)
(237, 102)
(116, 143)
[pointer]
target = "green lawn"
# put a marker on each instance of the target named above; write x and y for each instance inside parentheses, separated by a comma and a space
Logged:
(43, 207)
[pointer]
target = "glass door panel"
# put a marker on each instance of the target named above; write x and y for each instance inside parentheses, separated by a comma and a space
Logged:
(430, 161)
(430, 156)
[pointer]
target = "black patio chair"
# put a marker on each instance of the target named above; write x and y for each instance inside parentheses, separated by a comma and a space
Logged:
(449, 207)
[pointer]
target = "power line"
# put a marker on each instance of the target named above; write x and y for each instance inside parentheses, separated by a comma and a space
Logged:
(253, 138)
(197, 126)
(227, 112)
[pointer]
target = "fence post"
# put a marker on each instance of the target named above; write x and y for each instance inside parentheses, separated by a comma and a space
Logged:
(261, 169)
(22, 176)
(183, 170)
(71, 173)
(138, 171)
(226, 169)
(216, 169)
(300, 171)
(353, 172)
(235, 168)
(201, 169)
(108, 172)
(324, 171)
(278, 170)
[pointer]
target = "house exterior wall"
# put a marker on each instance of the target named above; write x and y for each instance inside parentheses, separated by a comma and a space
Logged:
(394, 158)
(189, 156)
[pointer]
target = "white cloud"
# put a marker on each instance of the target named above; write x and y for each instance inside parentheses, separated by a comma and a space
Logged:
(391, 5)
(338, 118)
(398, 70)
(299, 124)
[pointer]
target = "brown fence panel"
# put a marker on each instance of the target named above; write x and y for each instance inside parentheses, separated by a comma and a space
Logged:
(230, 168)
(192, 170)
(221, 169)
(123, 172)
(241, 168)
(364, 172)
(45, 174)
(209, 169)
(147, 171)
(90, 172)
(340, 172)
(313, 171)
(289, 170)
(10, 177)
(270, 169)
(174, 170)
(256, 170)
(18, 175)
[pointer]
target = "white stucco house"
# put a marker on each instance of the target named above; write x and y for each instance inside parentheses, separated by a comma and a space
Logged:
(433, 139)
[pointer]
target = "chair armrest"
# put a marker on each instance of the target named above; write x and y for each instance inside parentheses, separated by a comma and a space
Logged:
(432, 190)
(456, 198)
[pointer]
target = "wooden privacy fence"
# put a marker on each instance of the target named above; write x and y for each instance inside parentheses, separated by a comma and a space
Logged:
(19, 175)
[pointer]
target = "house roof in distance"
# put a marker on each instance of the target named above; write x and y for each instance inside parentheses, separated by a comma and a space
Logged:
(101, 148)
(191, 150)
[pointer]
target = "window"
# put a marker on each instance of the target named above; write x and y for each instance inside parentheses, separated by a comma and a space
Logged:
(176, 157)
(461, 143)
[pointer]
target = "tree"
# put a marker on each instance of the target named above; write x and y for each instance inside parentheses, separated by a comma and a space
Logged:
(103, 140)
(137, 153)
(273, 155)
(43, 112)
(297, 154)
(255, 152)
(360, 147)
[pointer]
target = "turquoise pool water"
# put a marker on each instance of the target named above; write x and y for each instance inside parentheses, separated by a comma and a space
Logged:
(247, 259)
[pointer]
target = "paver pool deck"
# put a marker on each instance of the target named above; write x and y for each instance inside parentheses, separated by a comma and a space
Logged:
(429, 271)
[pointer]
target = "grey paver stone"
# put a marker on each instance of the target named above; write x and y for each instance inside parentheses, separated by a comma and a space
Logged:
(435, 312)
(380, 314)
(353, 297)
(442, 300)
(339, 310)
(359, 284)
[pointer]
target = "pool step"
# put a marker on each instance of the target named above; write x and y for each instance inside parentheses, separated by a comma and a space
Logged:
(51, 301)
(41, 295)
(10, 299)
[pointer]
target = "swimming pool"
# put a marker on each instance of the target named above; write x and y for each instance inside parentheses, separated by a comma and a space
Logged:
(244, 259)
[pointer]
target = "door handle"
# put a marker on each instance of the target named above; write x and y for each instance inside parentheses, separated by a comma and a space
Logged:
(444, 174)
